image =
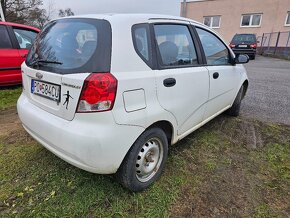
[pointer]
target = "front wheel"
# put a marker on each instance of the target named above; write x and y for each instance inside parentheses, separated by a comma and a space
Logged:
(235, 109)
(145, 161)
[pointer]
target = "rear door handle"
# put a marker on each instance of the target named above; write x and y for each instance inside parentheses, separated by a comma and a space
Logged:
(169, 82)
(215, 75)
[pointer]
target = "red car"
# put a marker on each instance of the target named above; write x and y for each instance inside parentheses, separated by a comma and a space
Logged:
(15, 42)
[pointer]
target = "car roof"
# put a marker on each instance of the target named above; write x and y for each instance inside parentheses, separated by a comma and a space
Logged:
(111, 17)
(134, 18)
(19, 25)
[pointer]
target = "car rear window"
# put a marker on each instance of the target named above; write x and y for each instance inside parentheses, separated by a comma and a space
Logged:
(246, 38)
(73, 45)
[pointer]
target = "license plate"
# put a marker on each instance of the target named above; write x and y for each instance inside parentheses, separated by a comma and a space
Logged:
(45, 89)
(243, 46)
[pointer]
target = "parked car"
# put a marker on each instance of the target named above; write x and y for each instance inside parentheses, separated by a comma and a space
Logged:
(110, 93)
(244, 44)
(15, 41)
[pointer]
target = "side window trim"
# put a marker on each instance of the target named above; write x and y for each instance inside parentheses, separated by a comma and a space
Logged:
(198, 45)
(149, 62)
(158, 58)
(13, 38)
(202, 50)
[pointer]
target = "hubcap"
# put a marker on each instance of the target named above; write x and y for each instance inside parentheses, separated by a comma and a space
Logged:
(149, 159)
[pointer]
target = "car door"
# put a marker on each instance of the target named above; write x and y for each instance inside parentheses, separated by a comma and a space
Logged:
(223, 76)
(10, 60)
(182, 83)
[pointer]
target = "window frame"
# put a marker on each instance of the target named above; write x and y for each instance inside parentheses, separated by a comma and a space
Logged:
(211, 21)
(231, 58)
(150, 63)
(251, 19)
(287, 17)
(158, 57)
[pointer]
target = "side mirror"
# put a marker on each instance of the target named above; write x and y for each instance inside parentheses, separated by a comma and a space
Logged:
(242, 59)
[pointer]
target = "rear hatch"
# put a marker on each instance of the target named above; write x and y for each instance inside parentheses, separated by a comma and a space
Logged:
(61, 58)
(244, 41)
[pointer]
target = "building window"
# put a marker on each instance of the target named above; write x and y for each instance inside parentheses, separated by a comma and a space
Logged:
(251, 20)
(287, 23)
(212, 21)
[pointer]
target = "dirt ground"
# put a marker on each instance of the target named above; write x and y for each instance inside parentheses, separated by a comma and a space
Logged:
(9, 121)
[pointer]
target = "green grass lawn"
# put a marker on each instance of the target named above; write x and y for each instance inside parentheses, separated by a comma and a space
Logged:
(229, 168)
(9, 96)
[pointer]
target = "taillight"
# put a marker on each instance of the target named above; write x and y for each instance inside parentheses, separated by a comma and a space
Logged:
(253, 46)
(98, 93)
(232, 45)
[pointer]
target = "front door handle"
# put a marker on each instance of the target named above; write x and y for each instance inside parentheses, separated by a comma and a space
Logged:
(215, 75)
(169, 82)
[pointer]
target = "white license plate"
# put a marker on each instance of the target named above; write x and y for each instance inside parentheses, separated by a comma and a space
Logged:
(243, 46)
(47, 90)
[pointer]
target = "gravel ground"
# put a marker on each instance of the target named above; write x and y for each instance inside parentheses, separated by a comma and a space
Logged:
(268, 97)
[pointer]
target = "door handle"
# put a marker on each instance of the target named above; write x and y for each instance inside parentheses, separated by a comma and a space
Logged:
(169, 82)
(215, 75)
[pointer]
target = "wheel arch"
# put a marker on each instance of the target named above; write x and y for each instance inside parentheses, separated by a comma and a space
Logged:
(246, 85)
(167, 127)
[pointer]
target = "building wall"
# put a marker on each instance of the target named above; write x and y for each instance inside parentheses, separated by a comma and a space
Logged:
(273, 12)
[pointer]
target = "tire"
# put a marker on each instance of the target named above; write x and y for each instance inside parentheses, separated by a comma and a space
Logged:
(145, 161)
(235, 109)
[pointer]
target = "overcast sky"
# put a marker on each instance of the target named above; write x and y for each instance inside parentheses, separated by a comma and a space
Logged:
(170, 7)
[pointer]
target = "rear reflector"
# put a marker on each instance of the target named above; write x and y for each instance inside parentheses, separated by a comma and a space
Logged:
(98, 93)
(232, 45)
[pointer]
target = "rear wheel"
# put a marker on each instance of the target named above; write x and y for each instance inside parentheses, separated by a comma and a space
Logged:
(252, 57)
(235, 109)
(145, 161)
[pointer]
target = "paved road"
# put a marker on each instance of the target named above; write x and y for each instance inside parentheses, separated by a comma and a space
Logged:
(268, 97)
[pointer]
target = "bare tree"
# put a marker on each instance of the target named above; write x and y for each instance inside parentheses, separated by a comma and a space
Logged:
(65, 13)
(19, 10)
(50, 9)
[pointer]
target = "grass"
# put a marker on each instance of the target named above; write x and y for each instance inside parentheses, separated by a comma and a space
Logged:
(220, 170)
(9, 96)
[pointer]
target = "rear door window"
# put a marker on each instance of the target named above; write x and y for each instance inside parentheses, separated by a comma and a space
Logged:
(24, 37)
(73, 46)
(142, 43)
(175, 45)
(5, 42)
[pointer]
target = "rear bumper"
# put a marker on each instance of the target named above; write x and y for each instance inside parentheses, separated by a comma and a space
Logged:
(92, 142)
(244, 51)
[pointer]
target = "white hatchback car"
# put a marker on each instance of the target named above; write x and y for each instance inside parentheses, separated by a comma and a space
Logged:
(110, 93)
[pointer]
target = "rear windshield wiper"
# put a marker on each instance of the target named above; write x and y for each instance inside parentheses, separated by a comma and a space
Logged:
(45, 61)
